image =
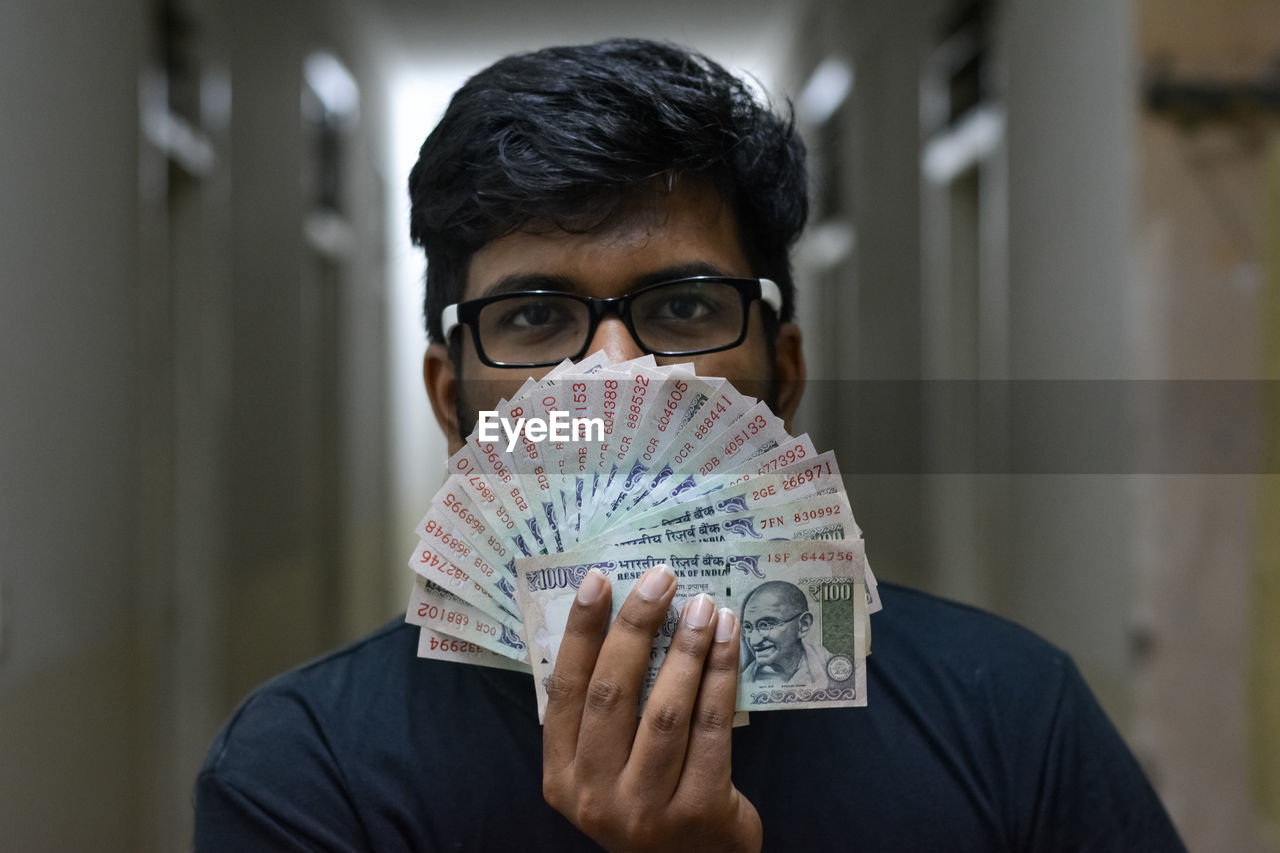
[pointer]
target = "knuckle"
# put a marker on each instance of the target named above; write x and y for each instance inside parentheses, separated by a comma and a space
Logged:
(594, 815)
(559, 688)
(712, 718)
(553, 791)
(686, 812)
(666, 719)
(640, 830)
(604, 695)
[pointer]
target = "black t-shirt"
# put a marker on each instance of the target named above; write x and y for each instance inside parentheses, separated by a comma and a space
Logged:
(977, 736)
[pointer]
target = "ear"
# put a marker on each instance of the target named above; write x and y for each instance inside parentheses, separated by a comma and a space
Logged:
(789, 370)
(442, 389)
(805, 623)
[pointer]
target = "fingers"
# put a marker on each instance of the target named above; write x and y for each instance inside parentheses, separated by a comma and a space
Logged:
(663, 736)
(567, 687)
(609, 709)
(709, 757)
(669, 782)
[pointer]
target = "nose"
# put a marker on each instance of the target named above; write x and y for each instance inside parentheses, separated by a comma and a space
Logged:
(614, 340)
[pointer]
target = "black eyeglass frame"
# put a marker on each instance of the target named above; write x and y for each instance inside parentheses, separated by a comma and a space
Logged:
(754, 627)
(749, 290)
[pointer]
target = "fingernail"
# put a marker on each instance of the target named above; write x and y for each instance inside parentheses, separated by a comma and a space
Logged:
(725, 623)
(698, 612)
(656, 582)
(591, 587)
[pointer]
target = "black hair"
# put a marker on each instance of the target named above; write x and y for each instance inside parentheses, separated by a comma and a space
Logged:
(572, 136)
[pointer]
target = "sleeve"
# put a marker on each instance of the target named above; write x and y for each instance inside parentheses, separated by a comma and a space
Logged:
(1089, 793)
(271, 783)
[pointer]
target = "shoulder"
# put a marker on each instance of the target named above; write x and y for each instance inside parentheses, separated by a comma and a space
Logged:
(296, 703)
(331, 755)
(969, 647)
(948, 682)
(376, 688)
(978, 677)
(275, 777)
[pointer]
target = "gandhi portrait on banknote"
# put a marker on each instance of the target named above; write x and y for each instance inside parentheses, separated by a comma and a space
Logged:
(775, 622)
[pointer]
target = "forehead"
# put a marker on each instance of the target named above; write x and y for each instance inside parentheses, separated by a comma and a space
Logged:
(688, 229)
(766, 601)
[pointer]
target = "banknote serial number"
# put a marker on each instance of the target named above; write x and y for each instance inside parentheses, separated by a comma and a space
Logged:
(806, 476)
(815, 514)
(808, 556)
(464, 515)
(442, 535)
(678, 391)
(635, 408)
(436, 613)
(449, 644)
(748, 432)
(787, 457)
(713, 415)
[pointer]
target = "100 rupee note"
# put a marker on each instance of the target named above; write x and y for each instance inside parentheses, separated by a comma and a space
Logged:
(803, 607)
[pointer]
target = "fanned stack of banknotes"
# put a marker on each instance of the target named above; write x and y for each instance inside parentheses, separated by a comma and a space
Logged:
(622, 466)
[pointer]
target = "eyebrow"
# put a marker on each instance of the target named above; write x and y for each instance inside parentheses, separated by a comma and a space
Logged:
(523, 282)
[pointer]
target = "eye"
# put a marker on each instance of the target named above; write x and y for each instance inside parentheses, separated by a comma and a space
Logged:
(686, 307)
(537, 314)
(526, 314)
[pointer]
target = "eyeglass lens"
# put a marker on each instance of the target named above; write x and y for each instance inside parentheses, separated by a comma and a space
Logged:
(675, 318)
(765, 624)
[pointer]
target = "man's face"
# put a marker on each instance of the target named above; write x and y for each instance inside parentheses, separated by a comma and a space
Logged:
(780, 645)
(687, 232)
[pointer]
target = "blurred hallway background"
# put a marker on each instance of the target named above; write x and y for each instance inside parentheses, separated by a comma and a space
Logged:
(1040, 294)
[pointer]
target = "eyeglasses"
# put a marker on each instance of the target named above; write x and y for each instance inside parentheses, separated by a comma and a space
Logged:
(536, 328)
(766, 624)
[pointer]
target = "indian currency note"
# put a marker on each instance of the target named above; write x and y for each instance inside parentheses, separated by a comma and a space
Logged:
(431, 562)
(525, 457)
(825, 516)
(803, 643)
(745, 490)
(539, 462)
(581, 397)
(757, 431)
(682, 401)
(753, 486)
(494, 464)
(433, 644)
(431, 606)
(715, 415)
(640, 443)
(606, 394)
(454, 530)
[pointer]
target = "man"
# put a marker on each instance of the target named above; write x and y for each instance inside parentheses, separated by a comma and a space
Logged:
(775, 621)
(603, 174)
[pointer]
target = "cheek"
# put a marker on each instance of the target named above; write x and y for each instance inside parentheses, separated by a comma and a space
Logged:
(481, 386)
(746, 366)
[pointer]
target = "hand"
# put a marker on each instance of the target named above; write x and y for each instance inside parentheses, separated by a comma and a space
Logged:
(662, 783)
